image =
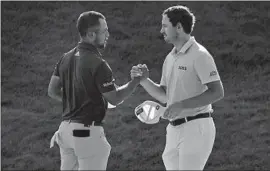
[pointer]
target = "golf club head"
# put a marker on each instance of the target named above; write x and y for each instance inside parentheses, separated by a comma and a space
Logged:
(149, 112)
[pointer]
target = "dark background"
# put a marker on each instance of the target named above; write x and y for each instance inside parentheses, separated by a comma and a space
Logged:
(36, 34)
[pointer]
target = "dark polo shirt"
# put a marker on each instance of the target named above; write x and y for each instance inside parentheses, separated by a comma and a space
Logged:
(84, 77)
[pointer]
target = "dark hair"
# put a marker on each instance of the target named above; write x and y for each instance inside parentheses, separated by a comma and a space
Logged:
(87, 20)
(183, 15)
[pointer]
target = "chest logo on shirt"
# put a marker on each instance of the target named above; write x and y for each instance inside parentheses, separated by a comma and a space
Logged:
(182, 68)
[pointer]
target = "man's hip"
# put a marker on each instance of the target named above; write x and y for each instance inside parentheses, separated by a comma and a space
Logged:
(189, 145)
(183, 120)
(202, 129)
(82, 130)
(69, 132)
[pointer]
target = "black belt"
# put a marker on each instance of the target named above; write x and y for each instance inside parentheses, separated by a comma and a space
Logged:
(189, 118)
(96, 123)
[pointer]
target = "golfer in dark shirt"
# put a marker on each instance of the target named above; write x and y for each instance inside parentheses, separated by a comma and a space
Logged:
(83, 81)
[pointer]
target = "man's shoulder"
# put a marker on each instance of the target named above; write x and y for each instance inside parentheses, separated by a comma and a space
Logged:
(66, 56)
(91, 59)
(69, 53)
(96, 64)
(169, 55)
(199, 50)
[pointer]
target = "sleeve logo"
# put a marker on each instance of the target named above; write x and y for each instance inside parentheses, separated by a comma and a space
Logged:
(213, 73)
(108, 84)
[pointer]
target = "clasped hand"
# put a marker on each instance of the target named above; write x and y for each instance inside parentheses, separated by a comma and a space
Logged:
(140, 71)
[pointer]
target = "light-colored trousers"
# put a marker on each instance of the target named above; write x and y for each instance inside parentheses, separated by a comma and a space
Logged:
(189, 145)
(82, 153)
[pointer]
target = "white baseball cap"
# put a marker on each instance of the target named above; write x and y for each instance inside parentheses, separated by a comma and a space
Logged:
(110, 106)
(149, 112)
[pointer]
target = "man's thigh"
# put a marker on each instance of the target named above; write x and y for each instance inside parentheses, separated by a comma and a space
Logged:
(94, 162)
(68, 159)
(92, 152)
(199, 136)
(170, 155)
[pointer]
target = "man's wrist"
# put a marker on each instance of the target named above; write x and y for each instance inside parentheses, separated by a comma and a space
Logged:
(143, 81)
(135, 81)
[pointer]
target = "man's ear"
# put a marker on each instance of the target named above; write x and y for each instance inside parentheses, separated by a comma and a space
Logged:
(91, 35)
(179, 26)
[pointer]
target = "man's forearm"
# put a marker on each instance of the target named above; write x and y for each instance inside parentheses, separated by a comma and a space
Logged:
(57, 95)
(126, 90)
(206, 98)
(155, 90)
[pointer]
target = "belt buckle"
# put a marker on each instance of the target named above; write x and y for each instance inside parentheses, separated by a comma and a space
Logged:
(172, 123)
(186, 120)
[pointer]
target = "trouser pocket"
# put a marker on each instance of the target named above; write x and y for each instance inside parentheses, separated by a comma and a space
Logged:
(83, 142)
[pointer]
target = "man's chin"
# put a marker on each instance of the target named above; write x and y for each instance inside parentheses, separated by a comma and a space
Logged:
(166, 40)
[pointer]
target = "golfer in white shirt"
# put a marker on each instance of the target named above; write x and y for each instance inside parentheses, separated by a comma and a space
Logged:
(190, 83)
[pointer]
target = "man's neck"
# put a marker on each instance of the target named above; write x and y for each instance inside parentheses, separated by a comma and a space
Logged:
(91, 43)
(82, 40)
(180, 43)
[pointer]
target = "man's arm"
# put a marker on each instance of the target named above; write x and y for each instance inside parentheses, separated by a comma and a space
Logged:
(55, 90)
(214, 93)
(155, 90)
(117, 96)
(106, 84)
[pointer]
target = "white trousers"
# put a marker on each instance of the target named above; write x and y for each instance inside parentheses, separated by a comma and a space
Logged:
(189, 145)
(82, 153)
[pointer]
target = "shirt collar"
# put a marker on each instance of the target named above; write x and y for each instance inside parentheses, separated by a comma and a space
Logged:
(88, 46)
(187, 45)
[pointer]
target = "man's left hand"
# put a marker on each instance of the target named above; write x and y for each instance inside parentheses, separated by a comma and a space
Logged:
(173, 110)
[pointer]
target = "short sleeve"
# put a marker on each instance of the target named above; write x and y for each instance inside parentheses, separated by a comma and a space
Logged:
(206, 68)
(56, 68)
(104, 78)
(163, 76)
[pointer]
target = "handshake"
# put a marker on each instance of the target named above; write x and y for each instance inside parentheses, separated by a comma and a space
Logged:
(139, 72)
(148, 112)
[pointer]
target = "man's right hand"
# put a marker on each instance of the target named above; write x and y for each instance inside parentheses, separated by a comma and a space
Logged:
(139, 71)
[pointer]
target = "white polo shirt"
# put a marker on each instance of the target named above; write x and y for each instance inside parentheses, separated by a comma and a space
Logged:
(185, 74)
